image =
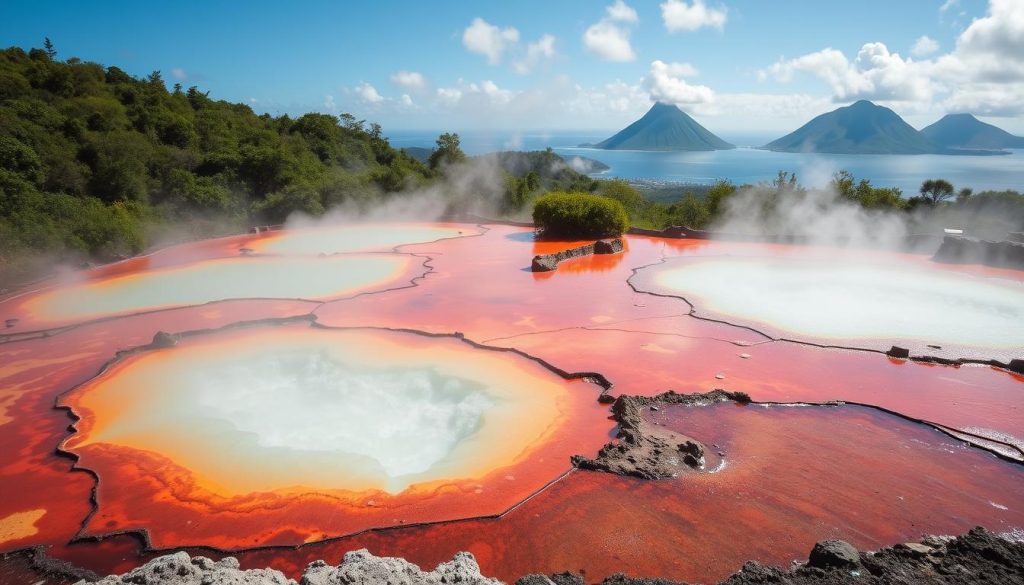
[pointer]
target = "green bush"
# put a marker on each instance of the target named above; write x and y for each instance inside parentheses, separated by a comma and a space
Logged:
(579, 215)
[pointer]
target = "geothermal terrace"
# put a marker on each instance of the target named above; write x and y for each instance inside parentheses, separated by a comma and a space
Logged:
(416, 390)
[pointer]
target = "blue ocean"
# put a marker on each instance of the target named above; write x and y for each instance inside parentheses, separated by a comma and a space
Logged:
(748, 164)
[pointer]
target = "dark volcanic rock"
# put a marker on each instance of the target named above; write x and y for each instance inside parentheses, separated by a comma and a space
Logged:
(164, 339)
(960, 250)
(898, 352)
(976, 557)
(549, 262)
(1016, 365)
(620, 579)
(833, 553)
(647, 451)
(608, 246)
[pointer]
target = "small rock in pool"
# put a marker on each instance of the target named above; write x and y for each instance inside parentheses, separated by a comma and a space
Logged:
(833, 553)
(898, 352)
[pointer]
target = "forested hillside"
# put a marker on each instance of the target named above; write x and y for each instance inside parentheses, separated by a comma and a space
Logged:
(91, 158)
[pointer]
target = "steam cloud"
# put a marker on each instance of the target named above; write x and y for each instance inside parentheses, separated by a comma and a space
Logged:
(820, 216)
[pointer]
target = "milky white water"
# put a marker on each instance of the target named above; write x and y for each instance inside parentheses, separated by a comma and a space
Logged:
(275, 408)
(213, 280)
(354, 238)
(405, 420)
(851, 299)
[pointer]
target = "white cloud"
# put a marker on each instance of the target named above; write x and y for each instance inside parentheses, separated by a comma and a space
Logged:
(489, 40)
(368, 93)
(537, 51)
(924, 46)
(665, 83)
(983, 74)
(409, 80)
(449, 95)
(991, 49)
(608, 38)
(875, 74)
(179, 74)
(406, 101)
(329, 104)
(947, 5)
(622, 12)
(678, 15)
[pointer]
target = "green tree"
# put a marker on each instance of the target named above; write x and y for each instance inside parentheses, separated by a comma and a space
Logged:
(48, 46)
(622, 192)
(936, 190)
(448, 151)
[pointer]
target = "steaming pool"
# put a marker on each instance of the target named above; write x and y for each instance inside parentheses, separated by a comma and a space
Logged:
(353, 411)
(850, 299)
(415, 390)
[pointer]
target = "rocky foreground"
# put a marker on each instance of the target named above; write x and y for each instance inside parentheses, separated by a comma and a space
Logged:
(976, 557)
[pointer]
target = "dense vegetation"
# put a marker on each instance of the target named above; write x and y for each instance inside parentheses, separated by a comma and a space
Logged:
(988, 214)
(579, 215)
(97, 164)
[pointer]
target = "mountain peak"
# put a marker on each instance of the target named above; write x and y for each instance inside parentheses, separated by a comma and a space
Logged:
(961, 131)
(860, 128)
(664, 127)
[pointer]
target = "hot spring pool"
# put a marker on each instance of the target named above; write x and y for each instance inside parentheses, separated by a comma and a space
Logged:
(849, 299)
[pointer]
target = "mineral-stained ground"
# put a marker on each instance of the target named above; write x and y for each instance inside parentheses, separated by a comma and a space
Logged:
(672, 410)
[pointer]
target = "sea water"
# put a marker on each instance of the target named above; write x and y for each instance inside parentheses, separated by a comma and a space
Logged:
(749, 164)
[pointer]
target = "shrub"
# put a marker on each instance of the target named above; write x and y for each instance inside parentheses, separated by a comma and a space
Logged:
(579, 215)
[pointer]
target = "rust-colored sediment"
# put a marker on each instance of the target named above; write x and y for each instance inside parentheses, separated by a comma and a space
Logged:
(792, 475)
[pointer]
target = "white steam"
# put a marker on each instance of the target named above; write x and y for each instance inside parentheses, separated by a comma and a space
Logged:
(822, 217)
(474, 187)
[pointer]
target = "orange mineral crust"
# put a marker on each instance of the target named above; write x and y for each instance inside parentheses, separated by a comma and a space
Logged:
(792, 476)
(345, 238)
(284, 435)
(34, 372)
(207, 281)
(974, 398)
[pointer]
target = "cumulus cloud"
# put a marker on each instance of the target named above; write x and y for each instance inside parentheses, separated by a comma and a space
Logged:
(179, 74)
(665, 83)
(409, 80)
(489, 40)
(622, 12)
(537, 51)
(991, 49)
(329, 104)
(924, 46)
(608, 38)
(875, 74)
(983, 74)
(678, 15)
(368, 93)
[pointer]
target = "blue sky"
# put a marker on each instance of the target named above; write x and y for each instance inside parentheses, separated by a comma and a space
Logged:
(558, 64)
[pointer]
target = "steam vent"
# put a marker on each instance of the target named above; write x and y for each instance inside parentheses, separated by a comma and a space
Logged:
(672, 409)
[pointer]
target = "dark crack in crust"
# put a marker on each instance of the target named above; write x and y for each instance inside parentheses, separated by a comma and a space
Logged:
(645, 450)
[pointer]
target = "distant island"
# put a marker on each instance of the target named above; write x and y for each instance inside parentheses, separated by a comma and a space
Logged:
(966, 131)
(864, 128)
(664, 127)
